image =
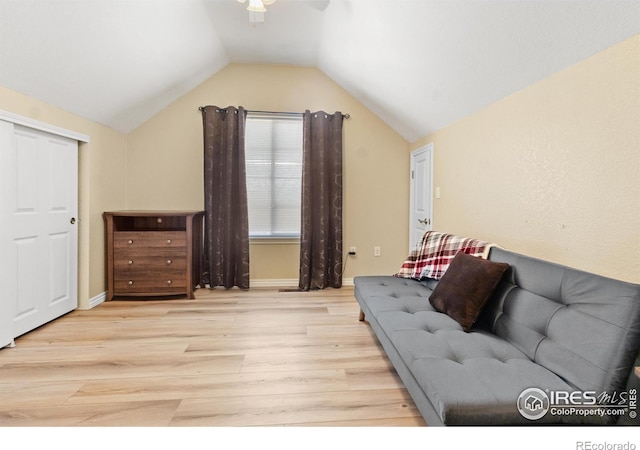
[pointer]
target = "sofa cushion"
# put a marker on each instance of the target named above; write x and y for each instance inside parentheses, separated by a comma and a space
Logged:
(471, 378)
(465, 288)
(394, 286)
(581, 326)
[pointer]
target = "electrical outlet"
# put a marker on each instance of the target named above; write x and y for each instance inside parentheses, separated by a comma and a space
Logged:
(352, 251)
(376, 251)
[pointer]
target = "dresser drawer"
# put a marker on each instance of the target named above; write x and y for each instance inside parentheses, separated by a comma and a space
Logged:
(142, 284)
(125, 262)
(149, 239)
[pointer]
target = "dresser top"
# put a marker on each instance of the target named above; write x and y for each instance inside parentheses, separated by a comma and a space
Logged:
(155, 213)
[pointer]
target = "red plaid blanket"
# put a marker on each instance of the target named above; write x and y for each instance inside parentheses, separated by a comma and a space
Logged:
(432, 257)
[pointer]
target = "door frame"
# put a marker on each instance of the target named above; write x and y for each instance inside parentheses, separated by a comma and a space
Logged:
(42, 126)
(428, 147)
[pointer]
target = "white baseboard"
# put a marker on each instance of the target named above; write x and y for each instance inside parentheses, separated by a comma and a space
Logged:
(95, 301)
(286, 283)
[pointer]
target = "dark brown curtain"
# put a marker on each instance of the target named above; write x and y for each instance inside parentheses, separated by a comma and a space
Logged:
(321, 230)
(226, 240)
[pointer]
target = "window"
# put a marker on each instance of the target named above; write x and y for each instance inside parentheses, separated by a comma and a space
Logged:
(273, 153)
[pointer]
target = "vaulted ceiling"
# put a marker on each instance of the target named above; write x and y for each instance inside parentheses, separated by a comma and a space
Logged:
(418, 64)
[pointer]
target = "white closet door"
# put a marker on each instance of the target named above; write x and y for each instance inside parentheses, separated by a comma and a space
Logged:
(39, 230)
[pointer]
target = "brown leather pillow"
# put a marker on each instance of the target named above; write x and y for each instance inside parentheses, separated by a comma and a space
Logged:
(466, 286)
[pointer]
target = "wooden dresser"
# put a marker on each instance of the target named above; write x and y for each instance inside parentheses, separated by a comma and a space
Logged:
(153, 253)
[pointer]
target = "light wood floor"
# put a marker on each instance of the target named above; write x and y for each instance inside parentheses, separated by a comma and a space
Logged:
(227, 358)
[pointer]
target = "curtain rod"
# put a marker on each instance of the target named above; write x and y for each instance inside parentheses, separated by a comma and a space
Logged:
(202, 108)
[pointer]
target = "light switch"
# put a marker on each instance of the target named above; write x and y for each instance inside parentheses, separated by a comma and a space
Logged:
(438, 192)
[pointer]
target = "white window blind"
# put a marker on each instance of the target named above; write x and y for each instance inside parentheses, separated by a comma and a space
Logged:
(273, 154)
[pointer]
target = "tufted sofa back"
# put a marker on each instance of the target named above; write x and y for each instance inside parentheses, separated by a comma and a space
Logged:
(581, 326)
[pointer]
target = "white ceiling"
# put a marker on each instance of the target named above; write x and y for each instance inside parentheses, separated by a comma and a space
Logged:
(419, 65)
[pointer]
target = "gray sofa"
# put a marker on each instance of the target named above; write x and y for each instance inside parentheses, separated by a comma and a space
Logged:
(546, 326)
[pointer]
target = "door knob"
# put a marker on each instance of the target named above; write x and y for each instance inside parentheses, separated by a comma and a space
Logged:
(425, 221)
(73, 220)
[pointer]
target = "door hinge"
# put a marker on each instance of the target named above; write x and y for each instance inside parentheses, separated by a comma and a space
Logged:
(413, 173)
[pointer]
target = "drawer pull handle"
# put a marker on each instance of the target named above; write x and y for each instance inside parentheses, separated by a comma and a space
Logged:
(130, 242)
(159, 219)
(168, 241)
(130, 262)
(168, 281)
(169, 262)
(130, 283)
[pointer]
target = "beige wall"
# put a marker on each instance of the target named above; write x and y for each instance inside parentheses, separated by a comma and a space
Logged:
(552, 171)
(164, 167)
(101, 182)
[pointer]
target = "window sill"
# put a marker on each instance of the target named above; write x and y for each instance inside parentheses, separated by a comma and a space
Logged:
(274, 241)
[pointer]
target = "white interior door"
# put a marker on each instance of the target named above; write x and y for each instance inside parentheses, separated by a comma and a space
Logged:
(421, 215)
(39, 237)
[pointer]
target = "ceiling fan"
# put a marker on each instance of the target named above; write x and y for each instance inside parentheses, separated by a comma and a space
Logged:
(257, 8)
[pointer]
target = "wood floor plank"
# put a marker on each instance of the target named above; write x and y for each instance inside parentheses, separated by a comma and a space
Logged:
(288, 329)
(315, 361)
(123, 367)
(104, 351)
(171, 330)
(295, 408)
(349, 329)
(65, 331)
(134, 414)
(122, 310)
(31, 394)
(212, 386)
(351, 309)
(293, 343)
(373, 378)
(280, 321)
